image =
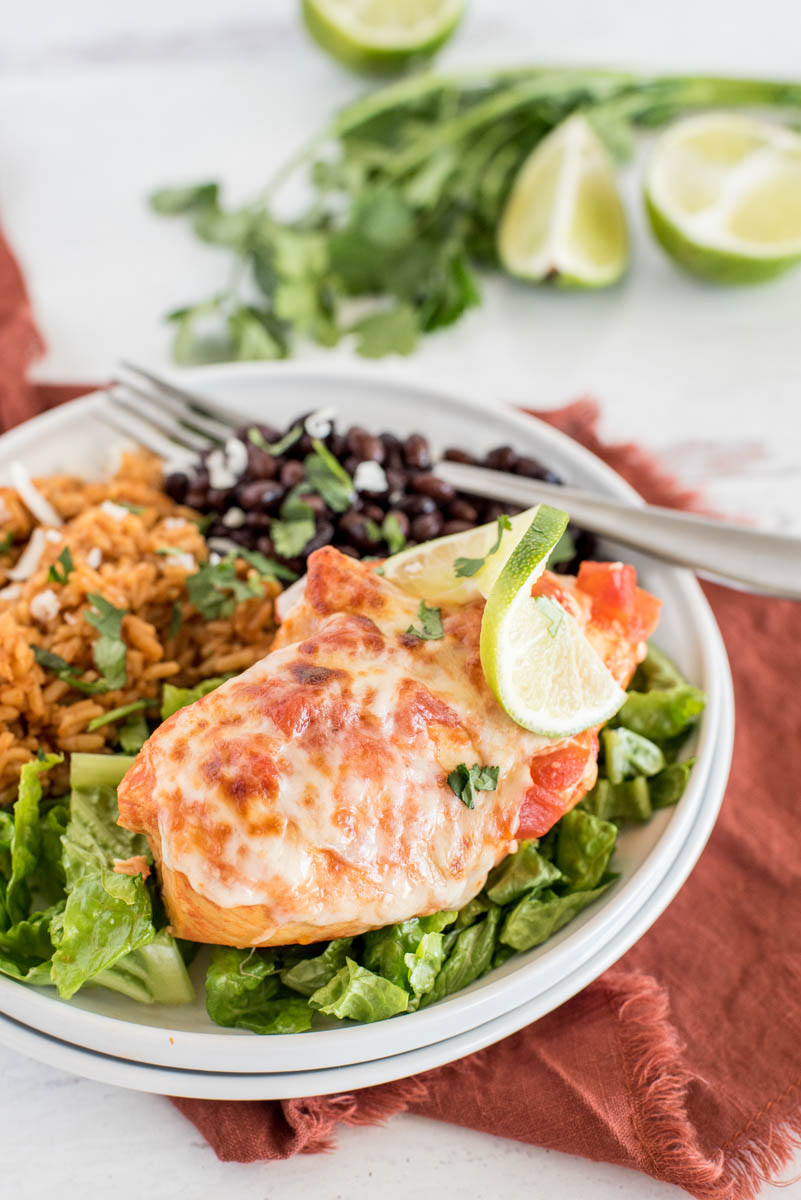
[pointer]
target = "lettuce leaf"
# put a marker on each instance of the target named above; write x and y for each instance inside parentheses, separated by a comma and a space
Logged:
(471, 956)
(309, 974)
(424, 964)
(656, 671)
(583, 848)
(243, 990)
(536, 917)
(174, 698)
(627, 801)
(667, 788)
(524, 871)
(385, 949)
(360, 995)
(627, 754)
(26, 838)
(661, 714)
(153, 974)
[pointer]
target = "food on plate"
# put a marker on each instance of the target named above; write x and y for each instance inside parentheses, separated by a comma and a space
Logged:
(326, 783)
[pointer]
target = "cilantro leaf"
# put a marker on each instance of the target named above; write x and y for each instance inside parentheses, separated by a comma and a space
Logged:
(265, 566)
(215, 589)
(109, 650)
(289, 439)
(553, 612)
(395, 331)
(62, 568)
(65, 671)
(176, 621)
(133, 734)
(465, 781)
(431, 621)
(177, 201)
(393, 534)
(328, 477)
(6, 542)
(471, 566)
(294, 529)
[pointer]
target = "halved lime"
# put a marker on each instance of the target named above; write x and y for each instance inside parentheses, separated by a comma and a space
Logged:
(564, 219)
(381, 35)
(723, 193)
(535, 657)
(462, 566)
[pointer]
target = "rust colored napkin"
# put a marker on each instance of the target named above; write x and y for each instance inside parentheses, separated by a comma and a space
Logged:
(684, 1060)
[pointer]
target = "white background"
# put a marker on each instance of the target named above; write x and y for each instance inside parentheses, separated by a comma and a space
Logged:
(99, 103)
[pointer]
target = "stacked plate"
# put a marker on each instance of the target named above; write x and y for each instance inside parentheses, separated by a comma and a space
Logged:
(178, 1050)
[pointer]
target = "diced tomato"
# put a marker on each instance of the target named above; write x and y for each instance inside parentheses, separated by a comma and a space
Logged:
(555, 780)
(616, 599)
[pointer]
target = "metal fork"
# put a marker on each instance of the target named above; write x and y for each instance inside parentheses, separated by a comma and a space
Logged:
(177, 425)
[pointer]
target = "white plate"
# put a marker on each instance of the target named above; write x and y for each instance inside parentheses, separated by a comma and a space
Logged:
(285, 1086)
(72, 438)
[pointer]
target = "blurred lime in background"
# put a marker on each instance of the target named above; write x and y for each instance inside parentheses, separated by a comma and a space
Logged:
(382, 36)
(723, 193)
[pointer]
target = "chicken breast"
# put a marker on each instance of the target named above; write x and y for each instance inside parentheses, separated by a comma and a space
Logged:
(308, 799)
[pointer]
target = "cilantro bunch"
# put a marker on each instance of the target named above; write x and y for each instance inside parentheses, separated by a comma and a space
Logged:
(407, 187)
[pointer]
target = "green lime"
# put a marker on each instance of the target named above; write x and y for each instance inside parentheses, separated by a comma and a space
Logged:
(460, 567)
(723, 193)
(564, 219)
(381, 35)
(535, 657)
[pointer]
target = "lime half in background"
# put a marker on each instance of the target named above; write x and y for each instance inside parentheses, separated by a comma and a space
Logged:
(723, 193)
(545, 674)
(564, 220)
(382, 36)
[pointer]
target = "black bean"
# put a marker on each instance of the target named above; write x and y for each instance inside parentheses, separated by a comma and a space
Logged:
(268, 433)
(416, 452)
(219, 498)
(260, 464)
(402, 520)
(196, 496)
(353, 526)
(337, 444)
(257, 521)
(350, 463)
(373, 513)
(552, 477)
(428, 526)
(502, 458)
(396, 478)
(529, 467)
(323, 536)
(240, 537)
(438, 489)
(454, 454)
(492, 510)
(216, 529)
(292, 472)
(457, 526)
(351, 551)
(261, 494)
(462, 510)
(302, 447)
(176, 485)
(265, 546)
(417, 506)
(364, 446)
(315, 503)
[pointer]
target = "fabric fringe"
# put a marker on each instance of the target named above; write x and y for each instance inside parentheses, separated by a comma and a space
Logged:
(320, 1115)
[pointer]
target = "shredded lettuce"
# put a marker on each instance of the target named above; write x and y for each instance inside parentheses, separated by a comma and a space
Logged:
(173, 698)
(359, 994)
(244, 990)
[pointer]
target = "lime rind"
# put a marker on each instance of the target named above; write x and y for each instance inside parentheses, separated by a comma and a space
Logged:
(364, 37)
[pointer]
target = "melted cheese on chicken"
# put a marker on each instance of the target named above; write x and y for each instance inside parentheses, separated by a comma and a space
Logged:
(308, 797)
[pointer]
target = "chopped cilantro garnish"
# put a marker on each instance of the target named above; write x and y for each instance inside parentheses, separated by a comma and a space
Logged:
(116, 714)
(6, 542)
(62, 568)
(328, 477)
(215, 589)
(176, 620)
(108, 651)
(393, 534)
(65, 671)
(465, 781)
(471, 566)
(295, 528)
(553, 612)
(136, 509)
(431, 621)
(372, 530)
(265, 566)
(289, 439)
(169, 550)
(133, 734)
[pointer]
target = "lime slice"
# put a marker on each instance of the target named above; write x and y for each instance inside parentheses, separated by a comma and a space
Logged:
(430, 569)
(381, 35)
(564, 219)
(543, 671)
(723, 194)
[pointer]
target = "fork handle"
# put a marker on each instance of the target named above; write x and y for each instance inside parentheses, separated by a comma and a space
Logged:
(734, 554)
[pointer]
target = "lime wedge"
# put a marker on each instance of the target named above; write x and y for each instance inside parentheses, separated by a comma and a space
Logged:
(564, 219)
(381, 35)
(535, 657)
(723, 194)
(433, 570)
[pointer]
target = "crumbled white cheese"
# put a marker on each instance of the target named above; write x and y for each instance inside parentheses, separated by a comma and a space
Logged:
(28, 561)
(319, 424)
(185, 561)
(71, 618)
(94, 558)
(234, 518)
(33, 500)
(236, 455)
(52, 535)
(220, 474)
(215, 558)
(223, 545)
(10, 592)
(175, 522)
(45, 606)
(370, 477)
(115, 511)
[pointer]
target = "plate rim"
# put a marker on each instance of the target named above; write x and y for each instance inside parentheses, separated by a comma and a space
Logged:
(486, 1002)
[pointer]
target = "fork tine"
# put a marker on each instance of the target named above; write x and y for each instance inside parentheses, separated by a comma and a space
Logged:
(170, 452)
(207, 408)
(145, 410)
(214, 430)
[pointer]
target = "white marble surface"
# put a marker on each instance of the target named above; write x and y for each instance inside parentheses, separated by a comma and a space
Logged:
(102, 102)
